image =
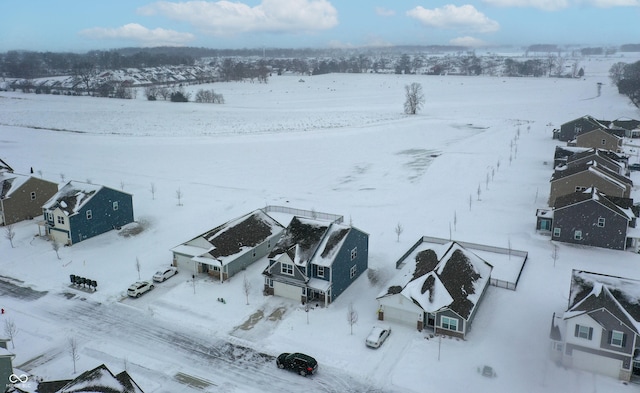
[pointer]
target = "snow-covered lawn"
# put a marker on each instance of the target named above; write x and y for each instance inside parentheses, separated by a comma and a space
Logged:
(334, 143)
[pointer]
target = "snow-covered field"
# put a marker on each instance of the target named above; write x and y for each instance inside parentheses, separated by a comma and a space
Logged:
(334, 143)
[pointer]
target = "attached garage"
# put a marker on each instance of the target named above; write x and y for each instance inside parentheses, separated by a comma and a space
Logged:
(288, 291)
(397, 309)
(596, 363)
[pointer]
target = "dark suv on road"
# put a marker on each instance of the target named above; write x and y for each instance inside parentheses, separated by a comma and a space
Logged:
(298, 362)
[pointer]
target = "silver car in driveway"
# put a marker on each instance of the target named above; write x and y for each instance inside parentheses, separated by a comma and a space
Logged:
(378, 334)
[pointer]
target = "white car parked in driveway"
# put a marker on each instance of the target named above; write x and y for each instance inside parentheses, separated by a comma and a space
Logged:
(162, 275)
(138, 288)
(378, 334)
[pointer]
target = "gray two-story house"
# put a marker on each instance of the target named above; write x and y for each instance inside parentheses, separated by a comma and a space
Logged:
(592, 218)
(316, 260)
(571, 129)
(599, 331)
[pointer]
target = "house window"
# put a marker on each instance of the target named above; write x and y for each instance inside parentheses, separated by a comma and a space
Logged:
(61, 220)
(449, 323)
(354, 253)
(577, 235)
(286, 268)
(89, 215)
(556, 232)
(617, 339)
(321, 271)
(115, 205)
(254, 252)
(604, 142)
(580, 188)
(557, 346)
(33, 195)
(601, 222)
(50, 216)
(353, 271)
(585, 332)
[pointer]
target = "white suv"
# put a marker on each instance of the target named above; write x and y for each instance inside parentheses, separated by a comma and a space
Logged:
(137, 289)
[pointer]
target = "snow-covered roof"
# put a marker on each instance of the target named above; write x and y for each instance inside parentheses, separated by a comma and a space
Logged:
(10, 182)
(231, 239)
(446, 276)
(301, 239)
(101, 380)
(592, 194)
(72, 197)
(593, 291)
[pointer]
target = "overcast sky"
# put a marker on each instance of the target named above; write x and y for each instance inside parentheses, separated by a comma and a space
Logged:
(81, 25)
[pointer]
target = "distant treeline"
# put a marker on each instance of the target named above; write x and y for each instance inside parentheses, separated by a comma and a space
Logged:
(627, 78)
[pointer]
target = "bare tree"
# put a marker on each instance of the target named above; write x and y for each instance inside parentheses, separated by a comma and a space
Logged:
(40, 173)
(11, 330)
(455, 220)
(479, 192)
(616, 72)
(179, 196)
(414, 98)
(138, 267)
(352, 316)
(62, 177)
(470, 202)
(555, 253)
(9, 233)
(73, 351)
(122, 185)
(56, 247)
(246, 287)
(399, 229)
(153, 191)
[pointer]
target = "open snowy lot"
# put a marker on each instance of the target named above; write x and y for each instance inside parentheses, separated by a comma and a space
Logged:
(333, 143)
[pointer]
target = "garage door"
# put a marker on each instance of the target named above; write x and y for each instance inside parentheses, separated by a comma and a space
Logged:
(596, 364)
(398, 315)
(184, 263)
(288, 291)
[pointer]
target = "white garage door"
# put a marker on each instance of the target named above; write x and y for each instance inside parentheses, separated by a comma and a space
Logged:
(398, 315)
(185, 263)
(596, 364)
(288, 291)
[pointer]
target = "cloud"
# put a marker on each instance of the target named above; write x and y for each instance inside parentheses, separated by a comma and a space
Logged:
(467, 41)
(381, 11)
(140, 34)
(465, 17)
(553, 5)
(229, 18)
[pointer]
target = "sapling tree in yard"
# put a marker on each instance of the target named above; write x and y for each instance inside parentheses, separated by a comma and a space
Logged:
(352, 316)
(11, 330)
(555, 254)
(179, 196)
(9, 233)
(62, 177)
(138, 266)
(399, 229)
(479, 192)
(56, 247)
(73, 351)
(152, 188)
(246, 287)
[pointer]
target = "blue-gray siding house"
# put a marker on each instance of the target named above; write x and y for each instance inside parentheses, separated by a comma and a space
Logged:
(81, 210)
(316, 260)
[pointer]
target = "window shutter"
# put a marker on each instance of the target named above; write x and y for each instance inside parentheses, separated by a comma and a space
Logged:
(577, 330)
(609, 340)
(590, 333)
(624, 339)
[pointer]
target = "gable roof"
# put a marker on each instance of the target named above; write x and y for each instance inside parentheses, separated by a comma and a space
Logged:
(4, 167)
(593, 291)
(234, 237)
(589, 119)
(10, 182)
(101, 380)
(73, 196)
(592, 194)
(444, 277)
(594, 168)
(614, 160)
(301, 239)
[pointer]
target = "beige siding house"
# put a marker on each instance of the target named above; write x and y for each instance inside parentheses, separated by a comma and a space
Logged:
(579, 178)
(599, 139)
(22, 197)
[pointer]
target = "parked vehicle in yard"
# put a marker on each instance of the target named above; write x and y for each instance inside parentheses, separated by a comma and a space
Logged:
(163, 274)
(377, 336)
(634, 167)
(298, 362)
(140, 287)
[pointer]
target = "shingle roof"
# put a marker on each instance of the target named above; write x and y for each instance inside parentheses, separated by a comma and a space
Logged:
(72, 196)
